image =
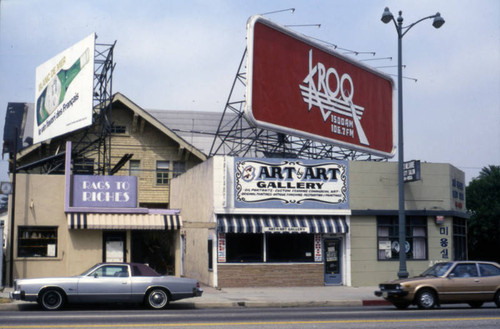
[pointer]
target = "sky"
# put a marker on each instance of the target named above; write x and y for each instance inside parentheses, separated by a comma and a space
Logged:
(184, 55)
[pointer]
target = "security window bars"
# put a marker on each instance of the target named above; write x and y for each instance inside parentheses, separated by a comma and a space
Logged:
(388, 238)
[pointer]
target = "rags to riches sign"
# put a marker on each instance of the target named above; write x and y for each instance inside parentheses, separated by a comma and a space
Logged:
(300, 87)
(104, 191)
(291, 183)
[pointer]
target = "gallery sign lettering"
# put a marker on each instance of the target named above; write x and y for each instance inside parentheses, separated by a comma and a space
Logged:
(105, 191)
(291, 183)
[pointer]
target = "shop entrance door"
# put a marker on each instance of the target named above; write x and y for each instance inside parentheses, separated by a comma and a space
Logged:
(114, 246)
(332, 257)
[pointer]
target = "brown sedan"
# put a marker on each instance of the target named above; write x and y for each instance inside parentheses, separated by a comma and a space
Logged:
(445, 283)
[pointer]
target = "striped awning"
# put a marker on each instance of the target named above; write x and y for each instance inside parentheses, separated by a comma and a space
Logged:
(281, 224)
(100, 221)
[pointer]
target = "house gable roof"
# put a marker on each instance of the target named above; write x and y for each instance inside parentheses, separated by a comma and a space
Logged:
(118, 97)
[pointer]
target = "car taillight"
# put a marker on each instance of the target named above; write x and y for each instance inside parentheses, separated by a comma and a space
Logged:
(197, 284)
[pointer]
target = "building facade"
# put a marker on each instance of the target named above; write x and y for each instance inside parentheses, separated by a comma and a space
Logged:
(226, 221)
(334, 223)
(70, 216)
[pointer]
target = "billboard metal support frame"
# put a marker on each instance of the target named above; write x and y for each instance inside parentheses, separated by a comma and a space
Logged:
(236, 137)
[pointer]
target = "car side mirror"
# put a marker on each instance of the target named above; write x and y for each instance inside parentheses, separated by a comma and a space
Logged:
(96, 275)
(451, 276)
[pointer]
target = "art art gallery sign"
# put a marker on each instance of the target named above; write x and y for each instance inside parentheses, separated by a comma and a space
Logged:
(291, 183)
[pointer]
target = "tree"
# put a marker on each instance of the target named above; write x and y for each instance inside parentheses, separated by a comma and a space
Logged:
(483, 204)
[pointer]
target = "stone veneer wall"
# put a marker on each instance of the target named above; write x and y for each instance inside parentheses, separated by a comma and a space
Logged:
(269, 275)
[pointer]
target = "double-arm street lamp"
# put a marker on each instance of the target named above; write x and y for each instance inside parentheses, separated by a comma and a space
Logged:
(402, 30)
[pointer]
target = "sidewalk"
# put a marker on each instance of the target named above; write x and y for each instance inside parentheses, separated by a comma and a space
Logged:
(270, 297)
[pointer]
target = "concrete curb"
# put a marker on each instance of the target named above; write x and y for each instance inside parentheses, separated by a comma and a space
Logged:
(15, 306)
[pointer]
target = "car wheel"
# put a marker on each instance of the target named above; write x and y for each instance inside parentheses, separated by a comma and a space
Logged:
(497, 298)
(157, 299)
(475, 304)
(426, 299)
(52, 299)
(402, 305)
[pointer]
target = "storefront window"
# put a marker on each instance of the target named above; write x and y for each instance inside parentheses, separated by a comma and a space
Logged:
(290, 247)
(244, 248)
(388, 238)
(278, 247)
(459, 239)
(37, 241)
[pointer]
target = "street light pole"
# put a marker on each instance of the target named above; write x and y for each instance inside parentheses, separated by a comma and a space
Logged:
(437, 23)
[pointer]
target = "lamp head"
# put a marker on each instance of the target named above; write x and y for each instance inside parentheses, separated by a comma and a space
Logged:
(438, 21)
(387, 16)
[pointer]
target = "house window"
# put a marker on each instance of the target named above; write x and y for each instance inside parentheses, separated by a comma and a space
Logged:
(37, 241)
(388, 238)
(83, 166)
(179, 168)
(459, 239)
(118, 129)
(134, 168)
(162, 172)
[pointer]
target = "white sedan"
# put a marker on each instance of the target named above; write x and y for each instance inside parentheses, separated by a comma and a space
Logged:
(107, 283)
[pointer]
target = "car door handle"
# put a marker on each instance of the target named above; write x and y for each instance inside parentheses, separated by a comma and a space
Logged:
(477, 280)
(124, 282)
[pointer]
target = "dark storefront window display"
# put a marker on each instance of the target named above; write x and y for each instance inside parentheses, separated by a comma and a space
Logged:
(277, 247)
(290, 247)
(244, 248)
(459, 239)
(388, 238)
(210, 248)
(37, 241)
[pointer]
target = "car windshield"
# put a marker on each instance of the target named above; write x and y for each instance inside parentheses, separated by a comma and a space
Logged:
(438, 269)
(89, 270)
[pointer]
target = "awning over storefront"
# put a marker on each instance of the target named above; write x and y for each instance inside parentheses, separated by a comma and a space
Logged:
(281, 224)
(99, 221)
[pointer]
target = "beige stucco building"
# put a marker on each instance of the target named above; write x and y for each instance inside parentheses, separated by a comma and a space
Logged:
(355, 244)
(223, 220)
(57, 234)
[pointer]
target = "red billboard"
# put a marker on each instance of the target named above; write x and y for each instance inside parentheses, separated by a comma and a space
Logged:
(299, 87)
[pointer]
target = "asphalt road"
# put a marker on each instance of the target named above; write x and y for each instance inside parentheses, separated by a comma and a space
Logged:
(456, 317)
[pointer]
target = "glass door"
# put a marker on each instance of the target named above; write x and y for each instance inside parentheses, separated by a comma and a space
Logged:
(332, 258)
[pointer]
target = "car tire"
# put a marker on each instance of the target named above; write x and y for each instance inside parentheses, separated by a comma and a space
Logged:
(497, 298)
(402, 305)
(157, 299)
(52, 299)
(426, 299)
(475, 304)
